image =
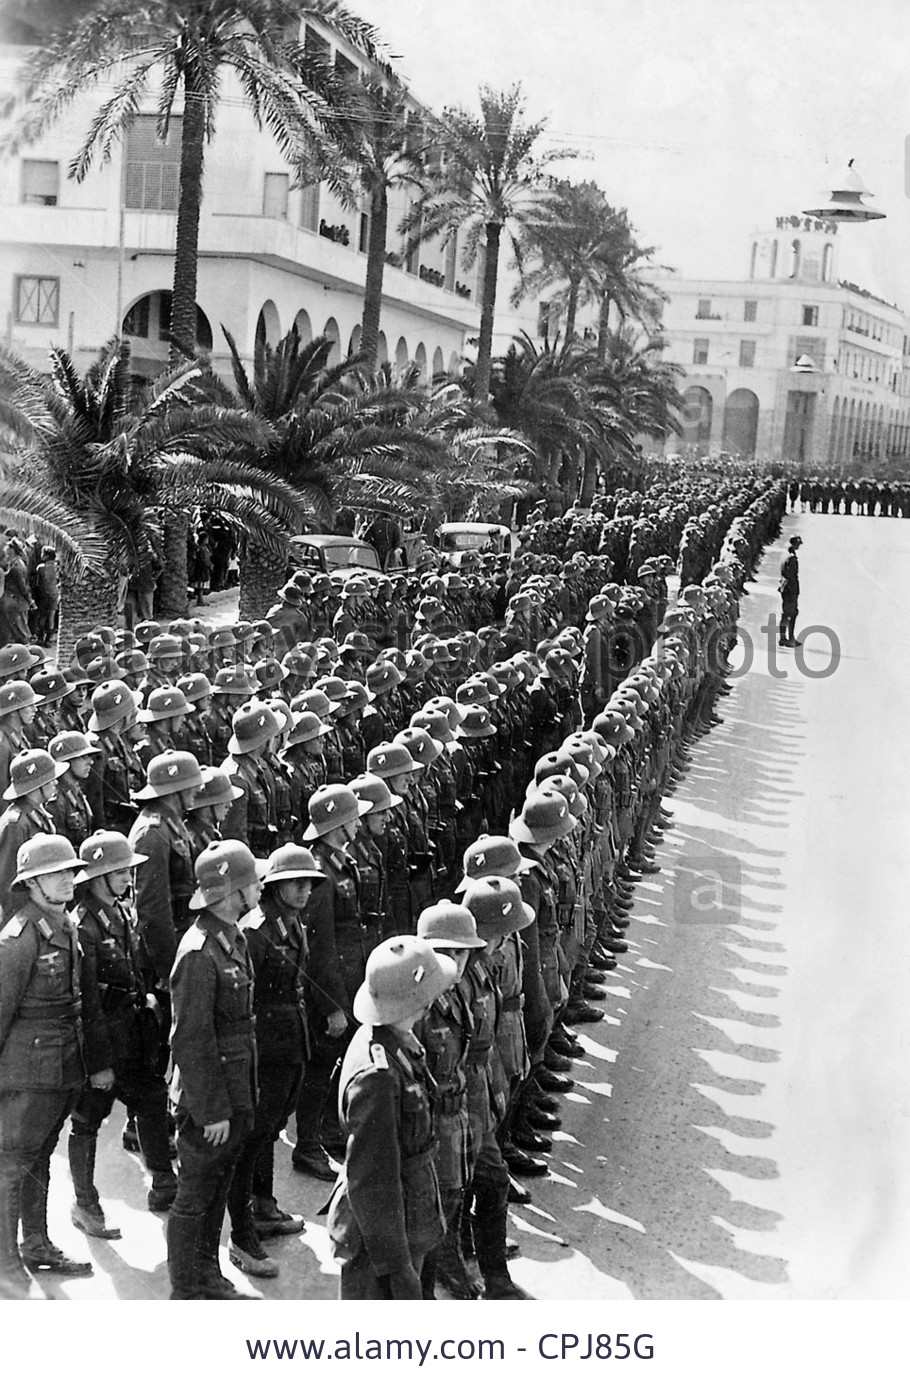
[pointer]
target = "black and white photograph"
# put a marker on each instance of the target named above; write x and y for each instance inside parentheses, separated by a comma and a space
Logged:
(454, 664)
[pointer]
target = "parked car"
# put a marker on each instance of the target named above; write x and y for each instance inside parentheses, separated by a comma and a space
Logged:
(455, 538)
(342, 555)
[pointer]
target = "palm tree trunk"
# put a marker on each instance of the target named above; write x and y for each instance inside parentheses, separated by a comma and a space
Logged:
(262, 570)
(186, 256)
(87, 602)
(173, 601)
(487, 313)
(372, 295)
(603, 328)
(571, 310)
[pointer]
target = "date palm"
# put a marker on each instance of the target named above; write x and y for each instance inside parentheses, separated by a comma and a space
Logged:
(380, 147)
(101, 463)
(486, 184)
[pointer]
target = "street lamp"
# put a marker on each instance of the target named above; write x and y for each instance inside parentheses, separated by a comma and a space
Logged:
(846, 201)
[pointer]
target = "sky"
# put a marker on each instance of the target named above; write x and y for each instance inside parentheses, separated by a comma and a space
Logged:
(707, 120)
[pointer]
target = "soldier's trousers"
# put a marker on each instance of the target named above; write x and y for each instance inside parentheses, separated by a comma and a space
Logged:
(30, 1125)
(317, 1108)
(279, 1087)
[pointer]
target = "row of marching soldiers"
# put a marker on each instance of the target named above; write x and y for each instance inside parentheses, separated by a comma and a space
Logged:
(544, 903)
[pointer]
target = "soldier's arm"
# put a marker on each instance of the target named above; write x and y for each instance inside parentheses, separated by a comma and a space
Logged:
(154, 910)
(98, 1053)
(194, 1042)
(327, 989)
(373, 1168)
(18, 954)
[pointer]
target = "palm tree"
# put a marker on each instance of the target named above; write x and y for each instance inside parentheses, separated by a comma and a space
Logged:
(554, 396)
(624, 280)
(102, 461)
(564, 247)
(168, 48)
(379, 140)
(487, 182)
(341, 437)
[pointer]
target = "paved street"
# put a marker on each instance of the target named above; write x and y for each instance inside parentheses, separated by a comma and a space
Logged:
(740, 1127)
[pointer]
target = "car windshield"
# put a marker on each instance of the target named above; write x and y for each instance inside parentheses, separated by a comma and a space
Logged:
(344, 556)
(471, 540)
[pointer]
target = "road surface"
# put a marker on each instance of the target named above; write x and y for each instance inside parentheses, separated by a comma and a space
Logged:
(740, 1126)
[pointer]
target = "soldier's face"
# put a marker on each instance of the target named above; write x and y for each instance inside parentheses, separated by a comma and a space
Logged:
(458, 955)
(55, 889)
(220, 810)
(294, 893)
(47, 792)
(119, 882)
(80, 768)
(376, 823)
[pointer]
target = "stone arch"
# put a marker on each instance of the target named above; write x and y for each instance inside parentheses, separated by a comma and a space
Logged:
(741, 422)
(402, 357)
(696, 416)
(382, 349)
(439, 365)
(331, 332)
(268, 325)
(304, 327)
(148, 319)
(454, 363)
(835, 423)
(354, 341)
(420, 361)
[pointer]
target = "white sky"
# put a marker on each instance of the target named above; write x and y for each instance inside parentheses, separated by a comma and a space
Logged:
(705, 120)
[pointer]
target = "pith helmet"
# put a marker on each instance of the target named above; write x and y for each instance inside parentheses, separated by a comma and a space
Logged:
(216, 788)
(253, 725)
(492, 856)
(167, 702)
(170, 772)
(44, 854)
(71, 744)
(111, 701)
(366, 787)
(224, 867)
(30, 770)
(497, 907)
(544, 817)
(403, 977)
(290, 861)
(390, 760)
(448, 924)
(332, 806)
(106, 852)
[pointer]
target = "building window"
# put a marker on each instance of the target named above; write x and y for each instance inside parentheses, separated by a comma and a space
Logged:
(345, 69)
(315, 46)
(751, 310)
(136, 323)
(773, 270)
(810, 316)
(152, 165)
(38, 299)
(309, 208)
(700, 351)
(827, 258)
(40, 181)
(704, 309)
(794, 259)
(747, 353)
(275, 195)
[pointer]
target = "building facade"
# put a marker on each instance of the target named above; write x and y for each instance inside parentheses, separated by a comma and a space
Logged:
(791, 362)
(81, 262)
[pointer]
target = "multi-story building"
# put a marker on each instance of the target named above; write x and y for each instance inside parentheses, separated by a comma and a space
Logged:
(79, 262)
(791, 362)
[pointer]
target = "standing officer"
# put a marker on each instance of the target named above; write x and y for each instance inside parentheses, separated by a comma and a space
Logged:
(339, 947)
(128, 1036)
(789, 595)
(278, 954)
(41, 1068)
(214, 1082)
(165, 884)
(33, 783)
(385, 1216)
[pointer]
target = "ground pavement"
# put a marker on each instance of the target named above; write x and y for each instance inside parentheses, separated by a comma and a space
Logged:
(740, 1126)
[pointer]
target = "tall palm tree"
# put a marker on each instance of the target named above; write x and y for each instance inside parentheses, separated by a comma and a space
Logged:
(103, 462)
(167, 49)
(380, 142)
(624, 280)
(564, 247)
(487, 183)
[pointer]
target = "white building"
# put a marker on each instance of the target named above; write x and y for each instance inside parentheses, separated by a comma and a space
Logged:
(80, 261)
(791, 362)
